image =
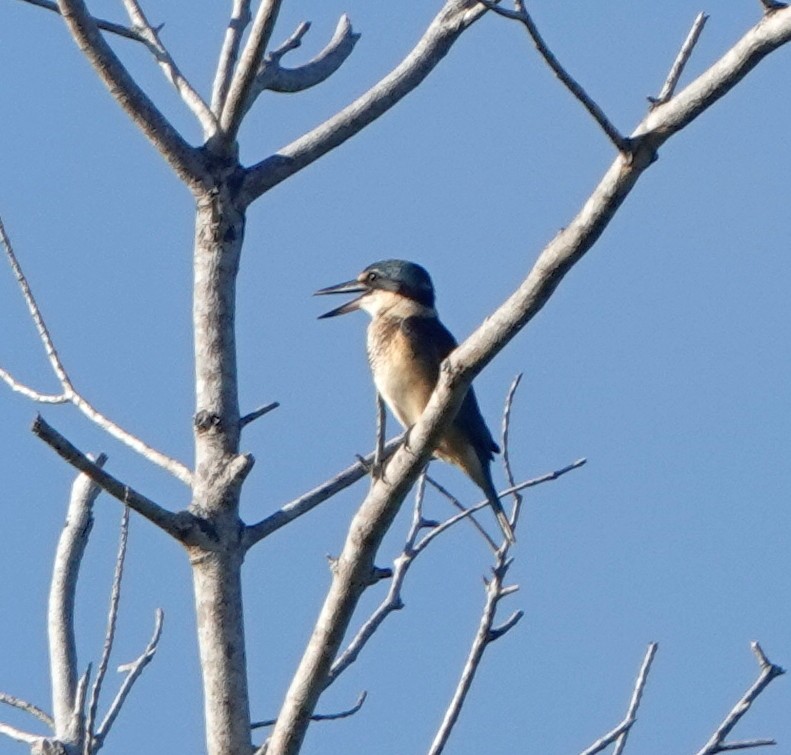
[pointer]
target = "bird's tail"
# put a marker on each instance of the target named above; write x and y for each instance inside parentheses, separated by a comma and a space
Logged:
(502, 518)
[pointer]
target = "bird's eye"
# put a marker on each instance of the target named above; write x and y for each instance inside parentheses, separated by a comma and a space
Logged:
(372, 276)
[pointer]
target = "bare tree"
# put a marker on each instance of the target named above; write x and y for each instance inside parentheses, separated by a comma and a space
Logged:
(211, 530)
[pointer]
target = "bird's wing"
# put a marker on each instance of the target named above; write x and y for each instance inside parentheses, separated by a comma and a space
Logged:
(431, 342)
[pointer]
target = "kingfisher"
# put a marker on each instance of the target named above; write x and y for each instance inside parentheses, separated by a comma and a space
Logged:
(406, 344)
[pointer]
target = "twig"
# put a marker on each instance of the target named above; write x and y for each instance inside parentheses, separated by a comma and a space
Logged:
(63, 588)
(308, 501)
(621, 731)
(486, 634)
(121, 31)
(520, 14)
(680, 62)
(260, 412)
(134, 669)
(109, 635)
(716, 743)
(381, 429)
(188, 94)
(506, 428)
(68, 393)
(179, 526)
(320, 716)
(34, 710)
(229, 54)
(76, 730)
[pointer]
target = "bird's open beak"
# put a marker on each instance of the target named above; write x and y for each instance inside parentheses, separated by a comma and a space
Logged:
(350, 287)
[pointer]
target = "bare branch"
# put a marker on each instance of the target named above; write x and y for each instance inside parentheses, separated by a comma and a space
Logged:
(229, 54)
(620, 732)
(506, 444)
(69, 394)
(238, 98)
(121, 31)
(109, 635)
(34, 710)
(188, 94)
(185, 160)
(381, 430)
(181, 526)
(681, 61)
(19, 735)
(483, 637)
(277, 78)
(768, 672)
(305, 503)
(454, 17)
(134, 670)
(321, 716)
(63, 589)
(521, 15)
(260, 412)
(76, 730)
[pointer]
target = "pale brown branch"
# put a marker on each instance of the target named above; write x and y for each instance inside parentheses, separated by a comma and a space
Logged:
(109, 635)
(681, 61)
(768, 672)
(242, 82)
(134, 670)
(69, 394)
(229, 54)
(520, 14)
(621, 731)
(181, 526)
(452, 20)
(121, 31)
(320, 716)
(188, 94)
(185, 160)
(34, 710)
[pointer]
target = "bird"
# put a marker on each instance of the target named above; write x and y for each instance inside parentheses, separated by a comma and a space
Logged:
(406, 344)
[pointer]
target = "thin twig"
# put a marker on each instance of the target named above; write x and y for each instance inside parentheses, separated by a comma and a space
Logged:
(486, 634)
(260, 412)
(381, 429)
(769, 672)
(34, 710)
(680, 62)
(134, 670)
(19, 735)
(506, 428)
(121, 31)
(320, 716)
(188, 94)
(229, 54)
(520, 14)
(109, 635)
(69, 394)
(621, 731)
(177, 525)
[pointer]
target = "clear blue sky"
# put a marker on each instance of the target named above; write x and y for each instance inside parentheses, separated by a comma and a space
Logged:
(663, 358)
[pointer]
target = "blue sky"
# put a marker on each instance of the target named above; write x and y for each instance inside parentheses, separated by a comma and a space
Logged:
(662, 358)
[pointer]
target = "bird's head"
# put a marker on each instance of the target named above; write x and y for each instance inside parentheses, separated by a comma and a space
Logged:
(383, 285)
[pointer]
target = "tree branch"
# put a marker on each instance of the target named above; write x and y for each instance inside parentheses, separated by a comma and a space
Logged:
(238, 99)
(63, 589)
(620, 732)
(229, 54)
(445, 29)
(69, 394)
(184, 159)
(320, 716)
(189, 95)
(768, 673)
(113, 28)
(109, 635)
(134, 670)
(520, 14)
(182, 526)
(260, 412)
(34, 710)
(681, 61)
(276, 78)
(20, 736)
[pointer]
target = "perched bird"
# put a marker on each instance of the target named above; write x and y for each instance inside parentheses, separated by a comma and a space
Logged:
(406, 345)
